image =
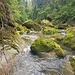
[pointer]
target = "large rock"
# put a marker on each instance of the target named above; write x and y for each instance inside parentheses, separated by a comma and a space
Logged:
(69, 39)
(46, 23)
(49, 30)
(32, 25)
(45, 45)
(70, 30)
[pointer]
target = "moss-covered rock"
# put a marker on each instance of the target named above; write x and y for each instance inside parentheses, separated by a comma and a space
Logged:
(59, 52)
(21, 28)
(69, 39)
(62, 26)
(45, 45)
(49, 30)
(46, 23)
(70, 30)
(57, 37)
(32, 25)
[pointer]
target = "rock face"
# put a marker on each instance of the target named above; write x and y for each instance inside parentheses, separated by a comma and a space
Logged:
(45, 45)
(5, 15)
(8, 32)
(10, 40)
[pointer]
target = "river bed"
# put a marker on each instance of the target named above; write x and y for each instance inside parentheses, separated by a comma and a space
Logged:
(28, 64)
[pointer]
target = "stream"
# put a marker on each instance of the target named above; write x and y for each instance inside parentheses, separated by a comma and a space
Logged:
(28, 64)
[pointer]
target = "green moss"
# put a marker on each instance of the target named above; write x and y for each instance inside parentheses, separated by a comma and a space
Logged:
(57, 37)
(20, 28)
(32, 25)
(72, 60)
(69, 40)
(59, 52)
(49, 30)
(46, 23)
(70, 30)
(11, 37)
(45, 45)
(62, 26)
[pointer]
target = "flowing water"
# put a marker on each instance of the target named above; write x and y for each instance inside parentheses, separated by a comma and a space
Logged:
(28, 64)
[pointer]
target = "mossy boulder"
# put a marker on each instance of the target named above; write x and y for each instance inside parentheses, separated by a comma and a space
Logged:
(70, 30)
(59, 52)
(49, 30)
(69, 39)
(62, 26)
(45, 45)
(21, 28)
(46, 23)
(32, 25)
(57, 37)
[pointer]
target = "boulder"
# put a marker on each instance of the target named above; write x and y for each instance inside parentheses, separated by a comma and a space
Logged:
(49, 30)
(45, 45)
(46, 23)
(32, 25)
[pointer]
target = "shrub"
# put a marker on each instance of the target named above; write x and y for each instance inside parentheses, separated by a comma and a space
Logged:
(45, 45)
